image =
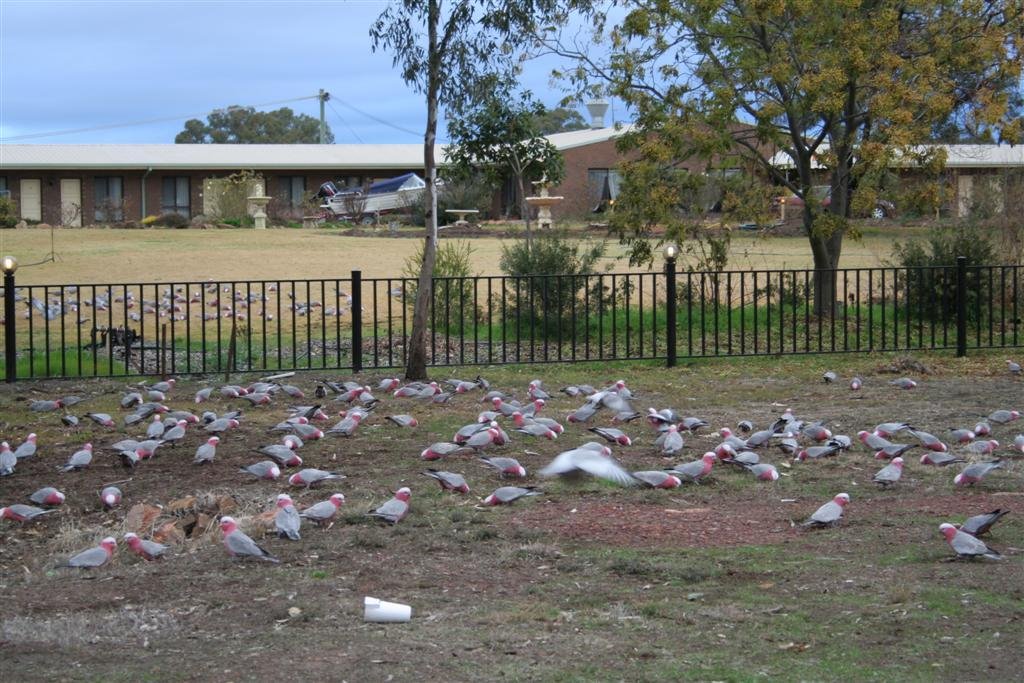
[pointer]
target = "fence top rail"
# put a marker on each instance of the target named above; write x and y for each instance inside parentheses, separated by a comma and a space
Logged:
(186, 283)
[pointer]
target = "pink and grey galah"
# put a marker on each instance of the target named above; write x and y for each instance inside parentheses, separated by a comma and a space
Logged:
(449, 481)
(830, 513)
(940, 459)
(220, 425)
(815, 452)
(207, 452)
(587, 461)
(873, 440)
(975, 472)
(27, 449)
(239, 545)
(695, 471)
(203, 394)
(8, 461)
(110, 496)
(982, 447)
(102, 419)
(308, 432)
(323, 512)
(1018, 443)
(282, 455)
(312, 476)
(888, 429)
(45, 406)
(817, 432)
(403, 420)
(287, 521)
(903, 383)
(982, 429)
(741, 459)
(146, 549)
(763, 471)
(929, 441)
(491, 436)
(965, 545)
(961, 435)
(175, 433)
(347, 426)
(23, 513)
(612, 435)
(389, 384)
(893, 450)
(506, 495)
(979, 525)
(657, 479)
(890, 474)
(671, 441)
(856, 383)
(394, 510)
(156, 429)
(265, 469)
(94, 557)
(441, 449)
(48, 496)
(80, 459)
(536, 391)
(507, 467)
(1001, 417)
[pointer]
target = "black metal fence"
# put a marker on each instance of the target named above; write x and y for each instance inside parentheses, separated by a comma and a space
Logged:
(355, 323)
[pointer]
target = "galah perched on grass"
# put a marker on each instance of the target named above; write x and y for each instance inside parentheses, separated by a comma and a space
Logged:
(763, 471)
(582, 414)
(27, 449)
(890, 474)
(741, 459)
(893, 450)
(69, 420)
(156, 429)
(308, 432)
(815, 452)
(982, 429)
(940, 459)
(586, 460)
(102, 419)
(221, 424)
(48, 496)
(164, 386)
(449, 481)
(873, 440)
(929, 441)
(574, 391)
(830, 513)
(856, 383)
(111, 497)
(175, 433)
(829, 377)
(323, 512)
(241, 546)
(760, 438)
(670, 441)
(535, 391)
(287, 520)
(282, 455)
(506, 495)
(346, 426)
(233, 391)
(207, 452)
(80, 459)
(1001, 417)
(147, 550)
(45, 406)
(394, 510)
(257, 398)
(292, 391)
(1018, 443)
(745, 426)
(147, 449)
(536, 429)
(23, 513)
(436, 451)
(696, 470)
(961, 435)
(507, 467)
(131, 399)
(291, 441)
(983, 447)
(403, 420)
(888, 429)
(389, 384)
(693, 424)
(979, 525)
(1013, 367)
(8, 461)
(903, 383)
(966, 545)
(482, 439)
(817, 432)
(522, 420)
(612, 435)
(311, 476)
(975, 472)
(203, 394)
(94, 557)
(657, 479)
(265, 469)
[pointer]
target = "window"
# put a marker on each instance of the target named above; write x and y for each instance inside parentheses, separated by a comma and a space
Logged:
(602, 187)
(109, 196)
(292, 189)
(174, 196)
(4, 192)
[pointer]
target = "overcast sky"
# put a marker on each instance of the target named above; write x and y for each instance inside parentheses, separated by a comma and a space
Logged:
(81, 64)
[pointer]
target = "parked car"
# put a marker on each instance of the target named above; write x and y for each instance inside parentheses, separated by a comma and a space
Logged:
(823, 193)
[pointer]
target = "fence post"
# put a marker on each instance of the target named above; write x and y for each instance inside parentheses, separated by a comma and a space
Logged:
(357, 320)
(670, 306)
(10, 323)
(961, 306)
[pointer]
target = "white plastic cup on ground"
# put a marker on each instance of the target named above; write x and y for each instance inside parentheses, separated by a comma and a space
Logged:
(383, 612)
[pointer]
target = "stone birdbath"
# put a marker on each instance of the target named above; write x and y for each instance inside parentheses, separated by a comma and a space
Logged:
(259, 203)
(543, 201)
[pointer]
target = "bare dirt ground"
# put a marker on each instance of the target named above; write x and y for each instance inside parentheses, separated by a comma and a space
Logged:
(585, 582)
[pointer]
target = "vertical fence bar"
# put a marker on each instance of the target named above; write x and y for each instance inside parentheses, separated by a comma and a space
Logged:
(357, 320)
(670, 312)
(10, 329)
(961, 306)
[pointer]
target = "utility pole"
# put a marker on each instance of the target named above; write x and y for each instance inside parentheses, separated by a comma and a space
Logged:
(323, 97)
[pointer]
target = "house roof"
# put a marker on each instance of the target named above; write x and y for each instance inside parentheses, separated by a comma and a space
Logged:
(219, 157)
(957, 156)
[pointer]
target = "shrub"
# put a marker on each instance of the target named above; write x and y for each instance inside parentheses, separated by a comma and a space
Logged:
(453, 195)
(8, 213)
(171, 220)
(454, 260)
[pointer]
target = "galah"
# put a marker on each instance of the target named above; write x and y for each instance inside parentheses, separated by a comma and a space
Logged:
(829, 377)
(551, 424)
(129, 459)
(692, 424)
(742, 459)
(929, 441)
(830, 513)
(507, 467)
(734, 442)
(696, 470)
(449, 481)
(26, 449)
(1018, 443)
(154, 395)
(389, 384)
(131, 398)
(665, 416)
(147, 550)
(220, 425)
(1013, 367)
(394, 510)
(536, 429)
(758, 439)
(792, 446)
(69, 420)
(506, 495)
(982, 429)
(656, 479)
(287, 520)
(843, 442)
(282, 455)
(308, 432)
(22, 513)
(287, 425)
(403, 420)
(856, 383)
(966, 545)
(156, 428)
(872, 440)
(745, 426)
(207, 452)
(979, 525)
(111, 497)
(233, 391)
(535, 390)
(204, 394)
(347, 426)
(323, 512)
(292, 390)
(817, 432)
(175, 433)
(763, 471)
(101, 419)
(903, 383)
(79, 459)
(983, 447)
(612, 435)
(940, 459)
(961, 435)
(265, 469)
(462, 386)
(241, 546)
(815, 452)
(257, 398)
(890, 474)
(784, 422)
(48, 496)
(94, 557)
(438, 450)
(292, 441)
(671, 441)
(483, 439)
(975, 472)
(1001, 417)
(147, 449)
(164, 386)
(311, 476)
(887, 429)
(574, 391)
(582, 414)
(893, 450)
(585, 460)
(45, 406)
(8, 461)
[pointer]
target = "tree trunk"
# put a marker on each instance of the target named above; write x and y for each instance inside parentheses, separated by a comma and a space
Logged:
(826, 251)
(524, 209)
(416, 360)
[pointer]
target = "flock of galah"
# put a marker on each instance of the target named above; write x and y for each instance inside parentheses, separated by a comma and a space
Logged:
(605, 412)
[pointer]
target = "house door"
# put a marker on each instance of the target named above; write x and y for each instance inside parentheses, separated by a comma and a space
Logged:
(71, 202)
(31, 199)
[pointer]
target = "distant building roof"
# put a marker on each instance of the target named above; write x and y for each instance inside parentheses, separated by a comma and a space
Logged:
(957, 156)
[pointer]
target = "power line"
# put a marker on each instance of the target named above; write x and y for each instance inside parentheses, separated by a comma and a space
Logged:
(374, 118)
(345, 123)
